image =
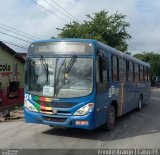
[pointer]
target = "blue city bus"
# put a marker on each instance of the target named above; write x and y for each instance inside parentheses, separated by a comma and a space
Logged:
(82, 83)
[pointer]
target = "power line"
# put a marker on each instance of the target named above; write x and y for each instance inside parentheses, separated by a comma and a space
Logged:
(16, 33)
(19, 31)
(64, 9)
(49, 11)
(57, 9)
(16, 45)
(14, 37)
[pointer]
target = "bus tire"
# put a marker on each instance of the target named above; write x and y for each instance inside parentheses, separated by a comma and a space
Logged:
(111, 119)
(140, 102)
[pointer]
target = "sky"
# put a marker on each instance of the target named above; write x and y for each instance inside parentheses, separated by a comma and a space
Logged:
(28, 17)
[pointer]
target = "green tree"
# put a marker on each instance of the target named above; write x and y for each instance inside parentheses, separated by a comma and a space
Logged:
(153, 59)
(109, 29)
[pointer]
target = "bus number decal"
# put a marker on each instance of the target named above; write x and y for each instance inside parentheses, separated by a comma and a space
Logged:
(113, 91)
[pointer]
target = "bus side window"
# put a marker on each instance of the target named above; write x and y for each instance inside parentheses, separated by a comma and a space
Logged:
(136, 72)
(115, 72)
(141, 73)
(130, 71)
(133, 72)
(122, 69)
(145, 74)
(102, 74)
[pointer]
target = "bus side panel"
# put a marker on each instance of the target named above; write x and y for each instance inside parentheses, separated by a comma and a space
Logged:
(143, 89)
(101, 108)
(133, 92)
(102, 100)
(131, 100)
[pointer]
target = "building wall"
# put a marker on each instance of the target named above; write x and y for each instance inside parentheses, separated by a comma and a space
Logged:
(7, 59)
(6, 70)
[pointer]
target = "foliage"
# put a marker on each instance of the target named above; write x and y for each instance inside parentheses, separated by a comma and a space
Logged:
(153, 59)
(109, 29)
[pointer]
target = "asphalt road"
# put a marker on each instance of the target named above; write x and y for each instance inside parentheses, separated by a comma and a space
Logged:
(133, 130)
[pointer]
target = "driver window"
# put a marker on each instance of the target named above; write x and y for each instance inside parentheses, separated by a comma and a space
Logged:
(102, 74)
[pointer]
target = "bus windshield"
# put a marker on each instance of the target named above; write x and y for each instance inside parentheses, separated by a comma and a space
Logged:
(60, 77)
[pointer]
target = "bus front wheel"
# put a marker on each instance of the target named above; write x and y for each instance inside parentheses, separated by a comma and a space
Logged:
(111, 119)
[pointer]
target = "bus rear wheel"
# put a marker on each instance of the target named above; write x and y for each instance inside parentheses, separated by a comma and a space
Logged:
(140, 102)
(111, 119)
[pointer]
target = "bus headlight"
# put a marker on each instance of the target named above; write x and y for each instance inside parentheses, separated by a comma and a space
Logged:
(84, 110)
(29, 106)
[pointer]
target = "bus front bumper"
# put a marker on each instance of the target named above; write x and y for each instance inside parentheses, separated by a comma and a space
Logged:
(84, 122)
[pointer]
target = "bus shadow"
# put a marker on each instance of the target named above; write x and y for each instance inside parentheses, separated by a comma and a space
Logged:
(129, 125)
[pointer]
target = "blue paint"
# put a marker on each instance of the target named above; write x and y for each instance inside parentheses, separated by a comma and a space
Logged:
(102, 100)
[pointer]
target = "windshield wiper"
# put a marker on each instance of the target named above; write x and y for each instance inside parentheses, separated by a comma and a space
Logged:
(57, 79)
(71, 63)
(67, 70)
(45, 66)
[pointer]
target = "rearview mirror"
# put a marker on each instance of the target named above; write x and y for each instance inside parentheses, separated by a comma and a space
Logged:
(100, 53)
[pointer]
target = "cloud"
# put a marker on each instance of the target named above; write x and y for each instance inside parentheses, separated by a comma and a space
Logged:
(143, 15)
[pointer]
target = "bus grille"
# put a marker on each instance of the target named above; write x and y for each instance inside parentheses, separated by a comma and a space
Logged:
(54, 119)
(62, 104)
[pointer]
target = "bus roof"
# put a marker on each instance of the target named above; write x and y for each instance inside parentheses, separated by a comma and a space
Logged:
(121, 54)
(100, 45)
(65, 40)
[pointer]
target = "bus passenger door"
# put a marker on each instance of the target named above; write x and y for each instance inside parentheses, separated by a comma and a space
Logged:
(102, 80)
